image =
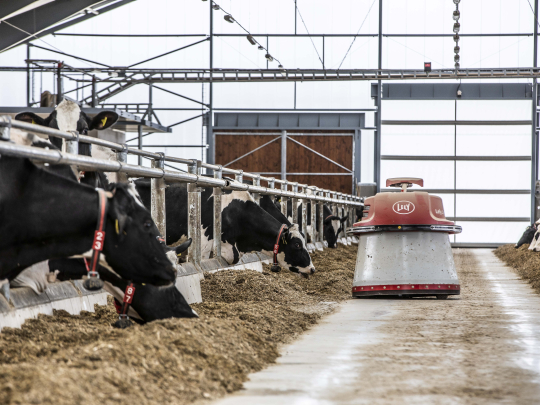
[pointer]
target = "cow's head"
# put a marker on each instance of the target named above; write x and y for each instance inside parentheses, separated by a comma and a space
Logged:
(68, 117)
(132, 243)
(293, 254)
(527, 236)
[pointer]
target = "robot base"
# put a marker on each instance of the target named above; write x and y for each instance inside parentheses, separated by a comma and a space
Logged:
(405, 263)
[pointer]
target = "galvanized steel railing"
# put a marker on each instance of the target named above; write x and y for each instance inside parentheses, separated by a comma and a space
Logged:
(193, 177)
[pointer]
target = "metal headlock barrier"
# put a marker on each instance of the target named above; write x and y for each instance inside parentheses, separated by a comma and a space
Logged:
(194, 178)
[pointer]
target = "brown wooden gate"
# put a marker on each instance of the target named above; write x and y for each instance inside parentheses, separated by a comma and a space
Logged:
(323, 159)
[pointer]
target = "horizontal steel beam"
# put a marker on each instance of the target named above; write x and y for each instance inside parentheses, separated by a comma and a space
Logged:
(458, 158)
(295, 75)
(460, 122)
(509, 34)
(461, 191)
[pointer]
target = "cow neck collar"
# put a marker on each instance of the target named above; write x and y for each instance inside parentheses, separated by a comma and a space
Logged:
(276, 246)
(99, 234)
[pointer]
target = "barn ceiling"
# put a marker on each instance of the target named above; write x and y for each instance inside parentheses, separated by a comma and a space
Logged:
(24, 20)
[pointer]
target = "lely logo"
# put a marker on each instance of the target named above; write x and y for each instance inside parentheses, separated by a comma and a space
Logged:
(403, 207)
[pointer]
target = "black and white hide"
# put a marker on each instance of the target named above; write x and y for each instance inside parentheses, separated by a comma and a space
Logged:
(246, 227)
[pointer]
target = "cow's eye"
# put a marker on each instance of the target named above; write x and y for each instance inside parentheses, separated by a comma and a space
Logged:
(148, 224)
(297, 245)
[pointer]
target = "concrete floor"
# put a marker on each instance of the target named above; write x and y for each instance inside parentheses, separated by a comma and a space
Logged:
(480, 348)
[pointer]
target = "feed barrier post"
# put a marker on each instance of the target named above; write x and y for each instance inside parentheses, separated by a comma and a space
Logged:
(122, 158)
(294, 205)
(284, 199)
(257, 196)
(321, 218)
(194, 216)
(157, 199)
(313, 215)
(304, 212)
(72, 145)
(218, 174)
(272, 185)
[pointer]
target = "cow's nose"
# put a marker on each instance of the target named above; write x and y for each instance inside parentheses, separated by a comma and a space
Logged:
(312, 270)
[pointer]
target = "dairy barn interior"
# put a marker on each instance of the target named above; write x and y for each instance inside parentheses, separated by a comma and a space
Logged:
(252, 202)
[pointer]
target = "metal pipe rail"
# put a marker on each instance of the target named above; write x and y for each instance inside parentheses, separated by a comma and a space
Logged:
(133, 170)
(159, 175)
(89, 163)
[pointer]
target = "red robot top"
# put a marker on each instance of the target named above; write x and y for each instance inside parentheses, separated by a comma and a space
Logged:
(407, 211)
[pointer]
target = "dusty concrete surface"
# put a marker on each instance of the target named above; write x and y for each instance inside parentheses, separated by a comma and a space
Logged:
(480, 348)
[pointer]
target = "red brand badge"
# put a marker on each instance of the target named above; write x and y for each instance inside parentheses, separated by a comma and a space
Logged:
(99, 238)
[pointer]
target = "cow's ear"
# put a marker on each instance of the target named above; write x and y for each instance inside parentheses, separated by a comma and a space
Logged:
(183, 247)
(343, 219)
(121, 207)
(31, 118)
(103, 120)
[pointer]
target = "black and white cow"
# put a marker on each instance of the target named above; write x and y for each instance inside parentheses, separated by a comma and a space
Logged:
(332, 225)
(45, 216)
(68, 117)
(527, 236)
(246, 227)
(149, 303)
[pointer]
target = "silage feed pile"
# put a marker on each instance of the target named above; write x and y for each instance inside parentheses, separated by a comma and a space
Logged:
(524, 261)
(64, 359)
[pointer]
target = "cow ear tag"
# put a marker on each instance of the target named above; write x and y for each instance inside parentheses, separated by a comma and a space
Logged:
(33, 122)
(116, 226)
(103, 121)
(179, 254)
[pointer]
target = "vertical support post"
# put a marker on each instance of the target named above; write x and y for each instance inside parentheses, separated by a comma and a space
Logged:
(59, 87)
(304, 213)
(378, 116)
(284, 200)
(122, 158)
(334, 205)
(283, 155)
(239, 177)
(321, 218)
(28, 74)
(150, 111)
(218, 174)
(157, 198)
(194, 216)
(357, 142)
(94, 101)
(211, 138)
(72, 146)
(294, 205)
(139, 142)
(313, 216)
(534, 140)
(257, 196)
(271, 185)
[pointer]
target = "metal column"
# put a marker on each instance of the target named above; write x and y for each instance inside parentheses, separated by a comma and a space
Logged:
(284, 200)
(217, 216)
(28, 75)
(194, 216)
(294, 205)
(321, 218)
(210, 137)
(304, 214)
(378, 118)
(139, 143)
(534, 137)
(357, 159)
(157, 193)
(283, 155)
(313, 216)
